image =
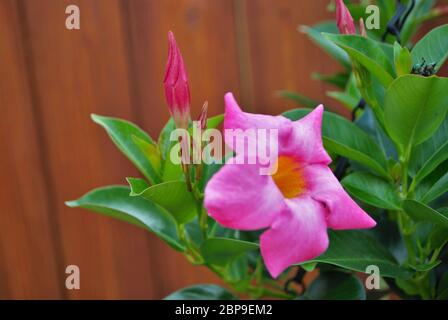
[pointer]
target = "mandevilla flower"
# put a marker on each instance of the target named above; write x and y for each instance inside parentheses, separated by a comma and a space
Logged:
(344, 19)
(177, 91)
(296, 204)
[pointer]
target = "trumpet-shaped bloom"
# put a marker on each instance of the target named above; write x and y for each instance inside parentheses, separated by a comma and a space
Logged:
(344, 19)
(177, 91)
(296, 204)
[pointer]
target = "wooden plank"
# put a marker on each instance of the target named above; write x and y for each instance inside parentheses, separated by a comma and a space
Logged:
(283, 58)
(75, 73)
(206, 36)
(29, 254)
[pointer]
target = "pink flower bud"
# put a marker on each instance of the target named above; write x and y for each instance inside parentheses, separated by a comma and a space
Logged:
(344, 19)
(177, 91)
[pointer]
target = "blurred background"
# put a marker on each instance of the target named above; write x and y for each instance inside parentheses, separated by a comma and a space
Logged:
(52, 79)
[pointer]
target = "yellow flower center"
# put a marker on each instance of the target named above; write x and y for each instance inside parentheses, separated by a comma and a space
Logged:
(289, 177)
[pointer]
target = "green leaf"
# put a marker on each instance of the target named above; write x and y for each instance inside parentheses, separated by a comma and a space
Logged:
(356, 250)
(433, 47)
(372, 190)
(121, 133)
(346, 139)
(333, 285)
(442, 288)
(339, 79)
(152, 152)
(427, 156)
(114, 201)
(369, 53)
(315, 34)
(403, 60)
(421, 212)
(173, 196)
(415, 107)
(436, 190)
(164, 139)
(214, 122)
(298, 98)
(221, 251)
(345, 98)
(202, 292)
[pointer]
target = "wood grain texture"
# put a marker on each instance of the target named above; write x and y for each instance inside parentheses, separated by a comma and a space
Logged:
(53, 79)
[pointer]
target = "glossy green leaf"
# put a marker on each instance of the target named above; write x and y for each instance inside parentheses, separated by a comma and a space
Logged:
(333, 285)
(202, 292)
(415, 107)
(114, 201)
(369, 53)
(315, 34)
(221, 251)
(346, 139)
(433, 47)
(164, 138)
(356, 250)
(214, 122)
(422, 213)
(121, 133)
(372, 190)
(173, 196)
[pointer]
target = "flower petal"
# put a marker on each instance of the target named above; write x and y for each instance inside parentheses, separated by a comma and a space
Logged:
(305, 142)
(235, 118)
(297, 235)
(344, 213)
(239, 197)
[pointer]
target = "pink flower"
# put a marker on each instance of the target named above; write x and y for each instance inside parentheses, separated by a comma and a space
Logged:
(177, 91)
(344, 19)
(296, 204)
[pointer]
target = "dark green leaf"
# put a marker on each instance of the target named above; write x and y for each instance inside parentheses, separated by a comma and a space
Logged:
(421, 212)
(355, 250)
(372, 190)
(333, 285)
(202, 292)
(172, 196)
(436, 190)
(115, 201)
(221, 251)
(121, 133)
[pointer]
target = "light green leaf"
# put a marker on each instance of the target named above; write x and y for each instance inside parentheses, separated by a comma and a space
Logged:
(346, 139)
(334, 285)
(121, 133)
(221, 251)
(152, 152)
(202, 292)
(173, 196)
(415, 107)
(355, 250)
(422, 213)
(372, 190)
(403, 60)
(369, 53)
(433, 47)
(114, 201)
(214, 122)
(345, 98)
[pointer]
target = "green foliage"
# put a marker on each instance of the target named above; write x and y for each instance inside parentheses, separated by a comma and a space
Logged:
(202, 292)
